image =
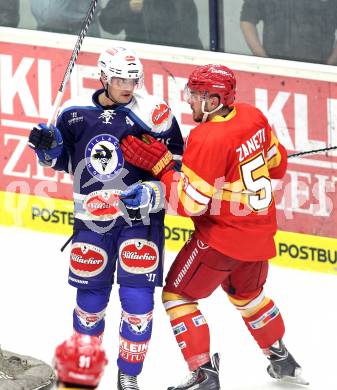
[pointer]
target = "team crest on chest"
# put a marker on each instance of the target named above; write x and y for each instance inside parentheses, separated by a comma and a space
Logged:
(107, 116)
(104, 158)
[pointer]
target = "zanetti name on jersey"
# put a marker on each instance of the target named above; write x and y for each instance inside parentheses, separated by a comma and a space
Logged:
(253, 144)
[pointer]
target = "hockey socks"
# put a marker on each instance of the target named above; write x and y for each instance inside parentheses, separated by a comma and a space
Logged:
(192, 334)
(266, 325)
(135, 328)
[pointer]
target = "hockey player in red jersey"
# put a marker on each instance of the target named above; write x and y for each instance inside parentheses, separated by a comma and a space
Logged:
(225, 187)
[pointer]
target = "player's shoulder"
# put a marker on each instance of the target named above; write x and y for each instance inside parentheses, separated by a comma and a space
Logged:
(198, 135)
(153, 111)
(78, 102)
(248, 110)
(204, 130)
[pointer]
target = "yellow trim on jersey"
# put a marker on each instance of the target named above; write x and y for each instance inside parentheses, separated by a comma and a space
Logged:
(182, 307)
(198, 182)
(236, 197)
(236, 186)
(261, 171)
(169, 296)
(253, 310)
(228, 117)
(231, 192)
(234, 192)
(190, 205)
(275, 160)
(238, 303)
(194, 192)
(181, 311)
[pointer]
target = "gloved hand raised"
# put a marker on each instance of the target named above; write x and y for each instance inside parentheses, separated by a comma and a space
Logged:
(143, 198)
(148, 154)
(46, 141)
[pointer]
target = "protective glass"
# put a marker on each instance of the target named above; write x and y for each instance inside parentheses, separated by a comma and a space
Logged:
(119, 83)
(190, 96)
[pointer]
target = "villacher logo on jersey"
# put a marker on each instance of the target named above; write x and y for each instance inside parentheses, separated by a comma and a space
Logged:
(138, 256)
(103, 203)
(160, 114)
(87, 260)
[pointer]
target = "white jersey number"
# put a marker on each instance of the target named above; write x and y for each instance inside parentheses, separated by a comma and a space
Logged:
(256, 183)
(84, 361)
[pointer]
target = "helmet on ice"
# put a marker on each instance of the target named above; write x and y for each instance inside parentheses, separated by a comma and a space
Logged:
(212, 80)
(121, 63)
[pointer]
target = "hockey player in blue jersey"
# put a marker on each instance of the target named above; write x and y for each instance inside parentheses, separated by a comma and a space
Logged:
(108, 237)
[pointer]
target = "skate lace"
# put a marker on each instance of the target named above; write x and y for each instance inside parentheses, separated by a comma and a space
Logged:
(129, 382)
(278, 354)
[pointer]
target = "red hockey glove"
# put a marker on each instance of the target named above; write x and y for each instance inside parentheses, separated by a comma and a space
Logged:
(148, 154)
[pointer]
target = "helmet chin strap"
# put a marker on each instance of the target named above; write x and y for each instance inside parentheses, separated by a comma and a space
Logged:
(106, 91)
(206, 113)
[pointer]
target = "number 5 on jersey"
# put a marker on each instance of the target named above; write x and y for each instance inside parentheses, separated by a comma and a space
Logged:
(256, 182)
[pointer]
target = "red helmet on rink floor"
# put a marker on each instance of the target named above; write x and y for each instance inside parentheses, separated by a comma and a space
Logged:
(214, 79)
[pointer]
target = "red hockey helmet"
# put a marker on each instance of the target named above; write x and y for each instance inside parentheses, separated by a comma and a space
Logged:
(214, 79)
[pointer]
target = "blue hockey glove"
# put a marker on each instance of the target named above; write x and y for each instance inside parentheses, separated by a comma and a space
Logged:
(46, 141)
(143, 198)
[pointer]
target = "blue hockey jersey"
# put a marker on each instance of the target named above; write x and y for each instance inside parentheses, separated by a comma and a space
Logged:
(91, 135)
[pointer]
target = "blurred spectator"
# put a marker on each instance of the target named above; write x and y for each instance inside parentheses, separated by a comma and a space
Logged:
(63, 16)
(9, 13)
(162, 22)
(302, 30)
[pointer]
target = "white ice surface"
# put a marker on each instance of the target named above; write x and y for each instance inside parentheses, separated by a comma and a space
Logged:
(37, 304)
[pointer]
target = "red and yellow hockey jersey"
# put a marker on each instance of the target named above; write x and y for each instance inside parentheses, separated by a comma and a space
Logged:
(225, 183)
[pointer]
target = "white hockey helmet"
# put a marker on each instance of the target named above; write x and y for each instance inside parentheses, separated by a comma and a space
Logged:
(122, 63)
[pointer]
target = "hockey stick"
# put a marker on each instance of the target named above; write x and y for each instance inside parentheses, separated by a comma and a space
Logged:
(312, 151)
(67, 74)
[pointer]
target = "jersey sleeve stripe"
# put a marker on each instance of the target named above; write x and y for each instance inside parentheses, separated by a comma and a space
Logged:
(236, 186)
(198, 182)
(273, 155)
(189, 204)
(196, 195)
(272, 152)
(236, 197)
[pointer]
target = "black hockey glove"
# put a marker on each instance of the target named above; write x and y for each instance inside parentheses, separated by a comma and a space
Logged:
(46, 141)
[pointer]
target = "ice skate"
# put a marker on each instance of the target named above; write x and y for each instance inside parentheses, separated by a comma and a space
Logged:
(283, 366)
(126, 382)
(80, 361)
(205, 377)
(24, 372)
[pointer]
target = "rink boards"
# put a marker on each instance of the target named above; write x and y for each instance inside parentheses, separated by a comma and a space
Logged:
(295, 250)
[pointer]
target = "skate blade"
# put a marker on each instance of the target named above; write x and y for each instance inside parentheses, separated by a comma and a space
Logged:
(298, 379)
(47, 386)
(73, 386)
(294, 380)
